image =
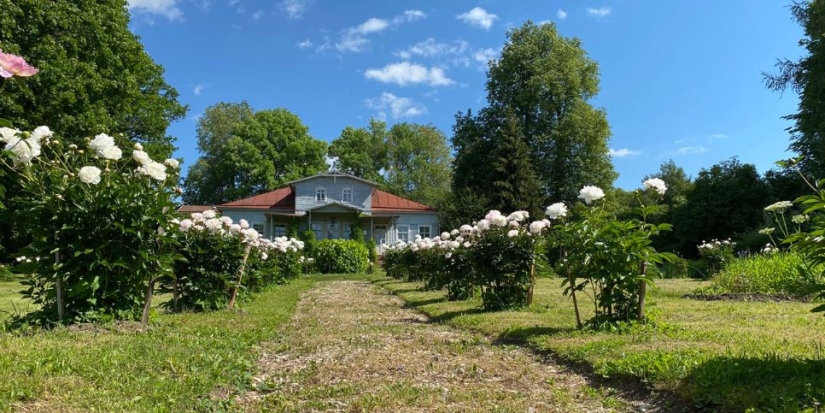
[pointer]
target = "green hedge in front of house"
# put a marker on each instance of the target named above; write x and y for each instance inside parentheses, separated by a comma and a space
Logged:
(336, 256)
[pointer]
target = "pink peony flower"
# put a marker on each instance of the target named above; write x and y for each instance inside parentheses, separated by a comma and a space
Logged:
(13, 65)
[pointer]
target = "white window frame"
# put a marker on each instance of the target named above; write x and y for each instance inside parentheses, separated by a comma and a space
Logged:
(406, 232)
(429, 231)
(258, 226)
(319, 191)
(347, 191)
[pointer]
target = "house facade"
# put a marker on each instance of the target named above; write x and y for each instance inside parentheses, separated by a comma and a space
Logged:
(330, 204)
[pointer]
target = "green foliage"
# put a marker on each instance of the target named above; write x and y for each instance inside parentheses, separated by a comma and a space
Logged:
(677, 268)
(310, 243)
(545, 81)
(357, 231)
(100, 245)
(772, 273)
(246, 152)
(726, 199)
(335, 256)
(418, 160)
(716, 254)
(503, 267)
(95, 75)
(803, 76)
(362, 152)
(372, 253)
(513, 181)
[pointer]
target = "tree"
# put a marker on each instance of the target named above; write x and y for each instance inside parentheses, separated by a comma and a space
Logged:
(726, 200)
(247, 152)
(806, 77)
(678, 185)
(513, 181)
(362, 152)
(94, 74)
(418, 163)
(544, 81)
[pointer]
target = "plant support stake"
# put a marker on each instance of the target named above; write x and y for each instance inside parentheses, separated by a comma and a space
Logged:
(240, 276)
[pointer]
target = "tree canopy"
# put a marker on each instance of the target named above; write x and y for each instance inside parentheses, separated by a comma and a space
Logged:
(95, 75)
(542, 82)
(806, 77)
(418, 163)
(362, 152)
(246, 152)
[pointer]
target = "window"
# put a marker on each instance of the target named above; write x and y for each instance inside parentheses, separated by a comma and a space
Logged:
(317, 227)
(333, 230)
(320, 194)
(403, 232)
(347, 195)
(279, 230)
(258, 226)
(424, 231)
(348, 230)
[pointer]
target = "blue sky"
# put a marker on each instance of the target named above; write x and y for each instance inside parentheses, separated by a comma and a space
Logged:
(679, 79)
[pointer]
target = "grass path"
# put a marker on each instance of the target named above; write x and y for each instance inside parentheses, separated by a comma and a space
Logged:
(351, 346)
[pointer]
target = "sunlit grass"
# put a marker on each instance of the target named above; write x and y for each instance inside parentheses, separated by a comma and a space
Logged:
(720, 354)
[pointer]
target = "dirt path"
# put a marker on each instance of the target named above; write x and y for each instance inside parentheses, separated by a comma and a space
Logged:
(352, 347)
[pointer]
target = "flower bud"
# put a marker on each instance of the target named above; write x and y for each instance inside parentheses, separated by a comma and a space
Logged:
(72, 146)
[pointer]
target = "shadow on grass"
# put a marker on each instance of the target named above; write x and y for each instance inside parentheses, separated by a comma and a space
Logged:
(413, 304)
(522, 336)
(770, 383)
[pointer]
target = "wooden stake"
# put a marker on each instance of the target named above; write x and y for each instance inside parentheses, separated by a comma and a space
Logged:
(642, 292)
(240, 276)
(572, 280)
(58, 285)
(532, 282)
(148, 302)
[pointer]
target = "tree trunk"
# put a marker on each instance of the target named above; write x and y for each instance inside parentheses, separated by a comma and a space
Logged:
(148, 302)
(58, 287)
(175, 295)
(642, 292)
(240, 277)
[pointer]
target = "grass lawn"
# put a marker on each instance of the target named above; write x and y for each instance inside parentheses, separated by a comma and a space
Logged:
(718, 355)
(177, 365)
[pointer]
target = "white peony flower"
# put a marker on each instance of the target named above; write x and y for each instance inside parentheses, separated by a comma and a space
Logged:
(213, 224)
(172, 163)
(512, 233)
(209, 214)
(499, 220)
(226, 221)
(556, 210)
(101, 141)
(24, 151)
(156, 170)
(141, 157)
(186, 224)
(244, 224)
(197, 216)
(536, 227)
(89, 175)
(591, 193)
(138, 147)
(445, 235)
(41, 132)
(448, 255)
(490, 215)
(657, 184)
(264, 256)
(465, 229)
(6, 134)
(518, 216)
(112, 152)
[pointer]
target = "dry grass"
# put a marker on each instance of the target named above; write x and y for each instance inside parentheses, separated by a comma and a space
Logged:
(353, 347)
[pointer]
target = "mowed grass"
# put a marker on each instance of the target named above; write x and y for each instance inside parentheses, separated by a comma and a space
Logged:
(184, 362)
(11, 301)
(716, 355)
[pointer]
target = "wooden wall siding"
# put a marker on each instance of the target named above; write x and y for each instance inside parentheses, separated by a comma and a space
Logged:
(305, 192)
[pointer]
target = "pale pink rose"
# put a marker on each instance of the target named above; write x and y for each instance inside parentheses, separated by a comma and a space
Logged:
(13, 65)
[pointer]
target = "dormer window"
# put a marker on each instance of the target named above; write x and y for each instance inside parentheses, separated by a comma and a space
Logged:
(347, 195)
(320, 194)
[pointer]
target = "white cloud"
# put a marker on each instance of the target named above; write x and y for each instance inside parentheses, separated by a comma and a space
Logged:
(411, 15)
(717, 136)
(690, 150)
(478, 17)
(483, 56)
(166, 8)
(601, 12)
(561, 14)
(354, 39)
(432, 48)
(257, 15)
(295, 9)
(305, 44)
(406, 73)
(623, 152)
(198, 89)
(400, 107)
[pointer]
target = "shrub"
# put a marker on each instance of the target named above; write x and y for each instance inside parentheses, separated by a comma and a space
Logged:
(678, 268)
(372, 254)
(341, 256)
(716, 254)
(773, 273)
(99, 223)
(503, 264)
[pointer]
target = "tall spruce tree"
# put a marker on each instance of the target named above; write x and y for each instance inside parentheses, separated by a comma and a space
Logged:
(513, 181)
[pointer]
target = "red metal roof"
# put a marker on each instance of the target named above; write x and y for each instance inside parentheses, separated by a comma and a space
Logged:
(387, 202)
(193, 208)
(281, 198)
(284, 199)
